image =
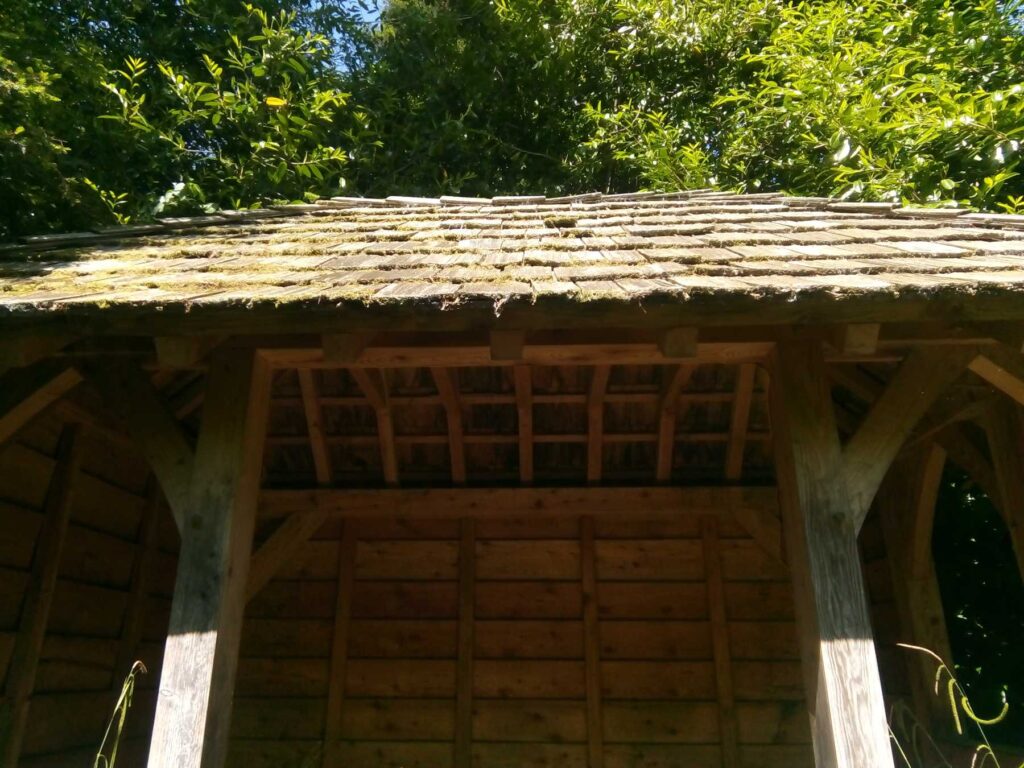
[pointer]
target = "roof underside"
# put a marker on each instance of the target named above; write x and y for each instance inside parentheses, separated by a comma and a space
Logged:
(442, 253)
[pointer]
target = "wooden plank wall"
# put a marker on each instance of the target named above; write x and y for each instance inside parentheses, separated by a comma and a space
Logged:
(76, 684)
(401, 665)
(398, 660)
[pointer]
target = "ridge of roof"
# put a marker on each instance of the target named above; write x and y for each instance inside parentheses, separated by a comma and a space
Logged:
(168, 225)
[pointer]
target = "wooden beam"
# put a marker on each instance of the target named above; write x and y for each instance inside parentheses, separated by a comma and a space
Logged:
(740, 421)
(343, 348)
(314, 427)
(1003, 429)
(679, 343)
(592, 644)
(668, 412)
(920, 379)
(38, 597)
(127, 390)
(524, 413)
(727, 720)
(486, 503)
(476, 355)
(374, 388)
(507, 346)
(193, 710)
(595, 421)
(464, 662)
(339, 648)
(1003, 368)
(843, 686)
(448, 389)
(27, 392)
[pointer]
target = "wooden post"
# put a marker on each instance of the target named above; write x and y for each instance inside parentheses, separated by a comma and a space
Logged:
(42, 584)
(843, 686)
(193, 710)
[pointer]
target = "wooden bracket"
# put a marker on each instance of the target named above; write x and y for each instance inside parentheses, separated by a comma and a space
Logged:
(856, 339)
(921, 378)
(507, 346)
(27, 392)
(129, 392)
(679, 343)
(184, 351)
(344, 348)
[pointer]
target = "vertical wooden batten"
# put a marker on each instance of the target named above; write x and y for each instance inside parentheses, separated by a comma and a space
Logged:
(339, 646)
(720, 643)
(38, 599)
(592, 644)
(464, 663)
(193, 710)
(843, 685)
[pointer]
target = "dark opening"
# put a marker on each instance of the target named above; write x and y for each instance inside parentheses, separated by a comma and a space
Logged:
(983, 599)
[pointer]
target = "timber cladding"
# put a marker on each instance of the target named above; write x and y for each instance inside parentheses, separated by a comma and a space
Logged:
(397, 675)
(108, 601)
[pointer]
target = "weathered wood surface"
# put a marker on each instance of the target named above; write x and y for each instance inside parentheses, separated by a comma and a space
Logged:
(200, 657)
(820, 520)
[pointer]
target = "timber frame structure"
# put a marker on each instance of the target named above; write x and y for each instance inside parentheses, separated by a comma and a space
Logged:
(598, 481)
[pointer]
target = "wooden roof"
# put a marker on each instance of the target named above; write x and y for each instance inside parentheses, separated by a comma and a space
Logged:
(679, 247)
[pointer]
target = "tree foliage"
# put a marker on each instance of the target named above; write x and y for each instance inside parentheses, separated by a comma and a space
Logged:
(122, 109)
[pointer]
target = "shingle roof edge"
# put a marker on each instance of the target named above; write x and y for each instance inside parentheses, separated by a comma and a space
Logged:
(166, 225)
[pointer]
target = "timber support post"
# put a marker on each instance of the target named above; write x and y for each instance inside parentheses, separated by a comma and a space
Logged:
(843, 686)
(201, 655)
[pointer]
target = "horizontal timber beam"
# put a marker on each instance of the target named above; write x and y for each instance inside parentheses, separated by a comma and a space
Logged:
(441, 503)
(473, 355)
